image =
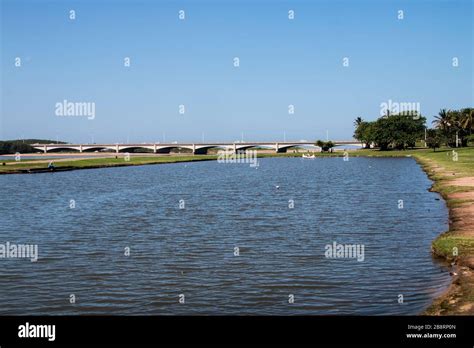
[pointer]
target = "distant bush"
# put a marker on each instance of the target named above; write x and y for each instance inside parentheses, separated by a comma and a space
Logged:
(324, 145)
(11, 147)
(22, 146)
(470, 139)
(434, 138)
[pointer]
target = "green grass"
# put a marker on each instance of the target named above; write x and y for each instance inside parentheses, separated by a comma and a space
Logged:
(106, 162)
(444, 245)
(444, 157)
(446, 189)
(453, 203)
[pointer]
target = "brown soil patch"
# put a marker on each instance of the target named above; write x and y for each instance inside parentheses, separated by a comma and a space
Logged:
(462, 195)
(465, 181)
(463, 216)
(463, 219)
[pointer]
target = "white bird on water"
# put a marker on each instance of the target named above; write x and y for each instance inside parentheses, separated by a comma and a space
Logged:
(277, 187)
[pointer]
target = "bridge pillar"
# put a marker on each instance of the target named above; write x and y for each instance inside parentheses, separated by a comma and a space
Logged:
(154, 148)
(194, 149)
(45, 149)
(116, 148)
(80, 148)
(278, 150)
(235, 148)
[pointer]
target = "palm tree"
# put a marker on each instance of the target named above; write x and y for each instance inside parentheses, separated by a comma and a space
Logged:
(467, 119)
(446, 122)
(358, 121)
(443, 120)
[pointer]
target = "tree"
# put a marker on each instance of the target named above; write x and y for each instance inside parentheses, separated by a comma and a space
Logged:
(434, 138)
(358, 121)
(467, 119)
(324, 145)
(364, 133)
(401, 131)
(398, 131)
(442, 120)
(14, 146)
(455, 125)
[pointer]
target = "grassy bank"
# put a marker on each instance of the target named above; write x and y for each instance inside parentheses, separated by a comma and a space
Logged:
(454, 180)
(12, 167)
(453, 176)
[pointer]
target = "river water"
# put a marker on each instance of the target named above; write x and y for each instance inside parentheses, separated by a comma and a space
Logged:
(224, 239)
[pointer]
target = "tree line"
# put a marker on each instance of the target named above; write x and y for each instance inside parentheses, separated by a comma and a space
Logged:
(402, 131)
(22, 146)
(452, 126)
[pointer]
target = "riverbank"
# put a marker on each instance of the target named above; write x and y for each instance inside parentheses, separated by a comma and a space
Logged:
(67, 164)
(454, 180)
(107, 160)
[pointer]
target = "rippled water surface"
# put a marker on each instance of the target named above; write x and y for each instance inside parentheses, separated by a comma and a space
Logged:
(190, 251)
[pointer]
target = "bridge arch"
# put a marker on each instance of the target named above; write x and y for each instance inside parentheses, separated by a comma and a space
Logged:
(284, 148)
(131, 148)
(202, 150)
(276, 147)
(167, 149)
(58, 149)
(96, 148)
(250, 146)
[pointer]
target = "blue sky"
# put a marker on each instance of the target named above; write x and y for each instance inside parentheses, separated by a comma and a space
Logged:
(190, 62)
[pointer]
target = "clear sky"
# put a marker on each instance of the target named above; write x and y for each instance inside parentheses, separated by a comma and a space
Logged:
(190, 62)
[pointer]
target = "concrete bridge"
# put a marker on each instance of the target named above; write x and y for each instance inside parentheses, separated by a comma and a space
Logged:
(196, 148)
